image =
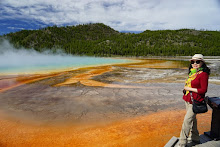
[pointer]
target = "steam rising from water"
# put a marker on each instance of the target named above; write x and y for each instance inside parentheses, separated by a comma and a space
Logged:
(28, 60)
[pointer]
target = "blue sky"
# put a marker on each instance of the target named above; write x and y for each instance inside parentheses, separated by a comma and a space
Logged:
(121, 15)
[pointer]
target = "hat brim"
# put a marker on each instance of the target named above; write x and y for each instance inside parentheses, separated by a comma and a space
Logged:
(197, 59)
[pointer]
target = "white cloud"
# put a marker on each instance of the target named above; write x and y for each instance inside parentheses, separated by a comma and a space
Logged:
(15, 28)
(120, 14)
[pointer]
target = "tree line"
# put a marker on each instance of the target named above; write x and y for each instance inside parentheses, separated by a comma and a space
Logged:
(101, 40)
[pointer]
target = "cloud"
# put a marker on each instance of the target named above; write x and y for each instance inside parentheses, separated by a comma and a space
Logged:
(15, 28)
(135, 15)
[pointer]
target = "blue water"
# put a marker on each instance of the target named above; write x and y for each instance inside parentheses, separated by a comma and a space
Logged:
(28, 62)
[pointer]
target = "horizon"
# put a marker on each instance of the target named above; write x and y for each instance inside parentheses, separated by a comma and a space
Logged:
(122, 31)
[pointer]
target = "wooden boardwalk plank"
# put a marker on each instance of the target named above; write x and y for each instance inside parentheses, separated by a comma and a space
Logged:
(205, 142)
(209, 144)
(172, 142)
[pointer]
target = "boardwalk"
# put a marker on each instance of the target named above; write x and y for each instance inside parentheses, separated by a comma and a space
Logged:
(205, 142)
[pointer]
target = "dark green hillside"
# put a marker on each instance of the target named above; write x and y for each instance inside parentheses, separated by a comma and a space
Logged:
(101, 40)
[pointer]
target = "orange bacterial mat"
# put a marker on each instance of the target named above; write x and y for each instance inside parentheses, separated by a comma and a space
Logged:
(151, 130)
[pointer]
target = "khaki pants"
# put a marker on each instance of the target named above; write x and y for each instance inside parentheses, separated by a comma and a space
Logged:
(189, 128)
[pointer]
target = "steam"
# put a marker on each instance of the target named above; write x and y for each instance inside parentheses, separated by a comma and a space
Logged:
(9, 56)
(28, 60)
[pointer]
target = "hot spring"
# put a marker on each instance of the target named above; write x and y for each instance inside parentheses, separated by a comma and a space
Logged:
(29, 61)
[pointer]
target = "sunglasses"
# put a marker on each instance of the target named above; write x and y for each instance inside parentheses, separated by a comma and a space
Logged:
(197, 61)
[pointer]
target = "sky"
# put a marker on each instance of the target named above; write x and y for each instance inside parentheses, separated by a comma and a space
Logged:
(121, 15)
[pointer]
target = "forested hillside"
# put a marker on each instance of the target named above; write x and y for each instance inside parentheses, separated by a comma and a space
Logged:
(101, 40)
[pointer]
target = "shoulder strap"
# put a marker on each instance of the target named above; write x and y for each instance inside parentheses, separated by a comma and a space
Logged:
(191, 96)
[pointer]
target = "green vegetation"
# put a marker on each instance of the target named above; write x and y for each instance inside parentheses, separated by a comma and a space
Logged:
(101, 40)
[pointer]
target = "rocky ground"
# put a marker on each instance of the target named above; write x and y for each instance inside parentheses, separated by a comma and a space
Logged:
(139, 104)
(124, 92)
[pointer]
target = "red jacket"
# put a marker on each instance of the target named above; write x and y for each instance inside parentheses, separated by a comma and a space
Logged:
(201, 83)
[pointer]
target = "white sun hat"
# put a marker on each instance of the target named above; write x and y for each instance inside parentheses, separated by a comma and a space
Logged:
(197, 57)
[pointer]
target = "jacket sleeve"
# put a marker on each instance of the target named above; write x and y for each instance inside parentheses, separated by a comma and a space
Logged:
(203, 83)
